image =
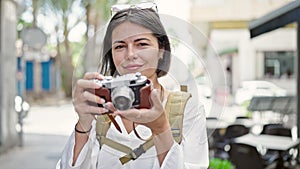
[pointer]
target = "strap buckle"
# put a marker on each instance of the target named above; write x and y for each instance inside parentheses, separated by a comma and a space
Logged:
(137, 152)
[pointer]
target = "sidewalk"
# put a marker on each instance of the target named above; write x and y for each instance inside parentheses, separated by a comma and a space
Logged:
(39, 152)
(47, 128)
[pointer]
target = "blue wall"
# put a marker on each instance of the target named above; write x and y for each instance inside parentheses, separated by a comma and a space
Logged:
(46, 75)
(29, 83)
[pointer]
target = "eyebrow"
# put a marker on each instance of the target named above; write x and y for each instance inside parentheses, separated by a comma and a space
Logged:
(136, 40)
(140, 39)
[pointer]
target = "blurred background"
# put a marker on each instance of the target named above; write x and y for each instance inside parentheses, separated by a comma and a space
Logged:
(44, 44)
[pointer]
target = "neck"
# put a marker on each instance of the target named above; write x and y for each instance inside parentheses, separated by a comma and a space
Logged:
(157, 85)
(154, 81)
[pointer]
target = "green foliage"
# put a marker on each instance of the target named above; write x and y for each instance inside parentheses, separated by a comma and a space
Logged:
(216, 163)
(77, 58)
(22, 24)
(245, 107)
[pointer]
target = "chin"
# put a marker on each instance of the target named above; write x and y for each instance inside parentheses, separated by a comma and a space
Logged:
(131, 71)
(147, 73)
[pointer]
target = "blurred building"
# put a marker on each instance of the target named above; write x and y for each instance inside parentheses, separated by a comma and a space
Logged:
(40, 75)
(8, 36)
(225, 23)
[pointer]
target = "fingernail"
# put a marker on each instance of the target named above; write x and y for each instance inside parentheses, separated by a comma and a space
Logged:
(102, 101)
(103, 111)
(104, 105)
(100, 76)
(98, 85)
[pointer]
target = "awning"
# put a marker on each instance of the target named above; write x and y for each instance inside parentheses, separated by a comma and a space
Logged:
(229, 51)
(275, 19)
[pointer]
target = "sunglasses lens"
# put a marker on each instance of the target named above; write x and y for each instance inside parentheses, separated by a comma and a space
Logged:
(146, 5)
(119, 7)
(116, 8)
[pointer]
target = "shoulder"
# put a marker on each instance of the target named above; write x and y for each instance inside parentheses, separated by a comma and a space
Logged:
(194, 107)
(186, 102)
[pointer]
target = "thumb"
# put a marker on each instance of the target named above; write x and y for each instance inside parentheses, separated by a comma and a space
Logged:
(155, 98)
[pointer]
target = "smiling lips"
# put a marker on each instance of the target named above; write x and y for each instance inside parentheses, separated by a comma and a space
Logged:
(133, 66)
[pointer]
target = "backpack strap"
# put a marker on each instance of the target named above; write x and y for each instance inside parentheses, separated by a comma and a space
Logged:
(175, 110)
(102, 126)
(137, 152)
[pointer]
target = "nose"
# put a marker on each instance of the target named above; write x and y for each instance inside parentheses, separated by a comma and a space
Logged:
(131, 53)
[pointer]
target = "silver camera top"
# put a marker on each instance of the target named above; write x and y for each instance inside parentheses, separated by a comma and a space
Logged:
(131, 79)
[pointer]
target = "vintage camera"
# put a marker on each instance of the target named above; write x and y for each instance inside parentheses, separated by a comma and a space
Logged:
(125, 92)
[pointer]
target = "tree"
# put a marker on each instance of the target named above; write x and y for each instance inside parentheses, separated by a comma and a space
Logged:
(97, 13)
(93, 12)
(67, 15)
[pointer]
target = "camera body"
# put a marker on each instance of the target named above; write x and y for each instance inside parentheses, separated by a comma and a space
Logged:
(125, 92)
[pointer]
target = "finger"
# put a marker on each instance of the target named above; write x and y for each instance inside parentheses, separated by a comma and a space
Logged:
(132, 115)
(93, 75)
(155, 96)
(141, 116)
(155, 100)
(82, 85)
(88, 96)
(87, 84)
(145, 115)
(109, 106)
(85, 109)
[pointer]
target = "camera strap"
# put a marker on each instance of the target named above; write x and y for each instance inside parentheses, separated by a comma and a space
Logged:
(175, 111)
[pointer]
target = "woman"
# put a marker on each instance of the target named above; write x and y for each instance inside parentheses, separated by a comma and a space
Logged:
(135, 41)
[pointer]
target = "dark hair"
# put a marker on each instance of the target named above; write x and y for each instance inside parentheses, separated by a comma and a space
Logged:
(146, 18)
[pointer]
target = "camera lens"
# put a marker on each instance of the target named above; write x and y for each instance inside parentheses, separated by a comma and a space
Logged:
(122, 97)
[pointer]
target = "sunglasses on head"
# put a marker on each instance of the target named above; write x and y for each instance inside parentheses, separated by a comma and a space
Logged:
(145, 5)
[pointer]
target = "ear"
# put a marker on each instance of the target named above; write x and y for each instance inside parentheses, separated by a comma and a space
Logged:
(161, 53)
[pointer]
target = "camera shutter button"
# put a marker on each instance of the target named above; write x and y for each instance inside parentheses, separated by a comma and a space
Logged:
(109, 78)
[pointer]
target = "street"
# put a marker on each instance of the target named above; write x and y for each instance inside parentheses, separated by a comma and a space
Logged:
(46, 131)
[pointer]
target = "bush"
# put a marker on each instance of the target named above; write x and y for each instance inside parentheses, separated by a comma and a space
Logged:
(216, 163)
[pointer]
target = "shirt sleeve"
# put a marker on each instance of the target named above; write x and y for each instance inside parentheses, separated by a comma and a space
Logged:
(87, 157)
(192, 153)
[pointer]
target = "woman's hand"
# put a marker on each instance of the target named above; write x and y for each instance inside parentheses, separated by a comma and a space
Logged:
(155, 118)
(83, 94)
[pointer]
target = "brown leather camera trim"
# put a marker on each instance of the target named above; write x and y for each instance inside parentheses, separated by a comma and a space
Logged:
(103, 93)
(144, 97)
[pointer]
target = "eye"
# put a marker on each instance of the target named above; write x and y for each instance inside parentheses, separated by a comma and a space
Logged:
(119, 47)
(143, 44)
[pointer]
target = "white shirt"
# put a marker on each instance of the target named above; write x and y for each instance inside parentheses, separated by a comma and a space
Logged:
(192, 153)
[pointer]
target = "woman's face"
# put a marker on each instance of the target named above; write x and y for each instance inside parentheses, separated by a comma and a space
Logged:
(135, 49)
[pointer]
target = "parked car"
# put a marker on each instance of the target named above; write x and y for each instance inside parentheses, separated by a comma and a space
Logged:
(250, 89)
(204, 88)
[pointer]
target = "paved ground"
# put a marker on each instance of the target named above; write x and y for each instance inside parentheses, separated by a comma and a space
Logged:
(40, 151)
(46, 128)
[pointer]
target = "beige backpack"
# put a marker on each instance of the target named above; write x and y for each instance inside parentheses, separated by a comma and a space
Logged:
(175, 110)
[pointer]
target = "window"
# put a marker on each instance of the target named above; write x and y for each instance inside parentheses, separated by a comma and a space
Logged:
(279, 63)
